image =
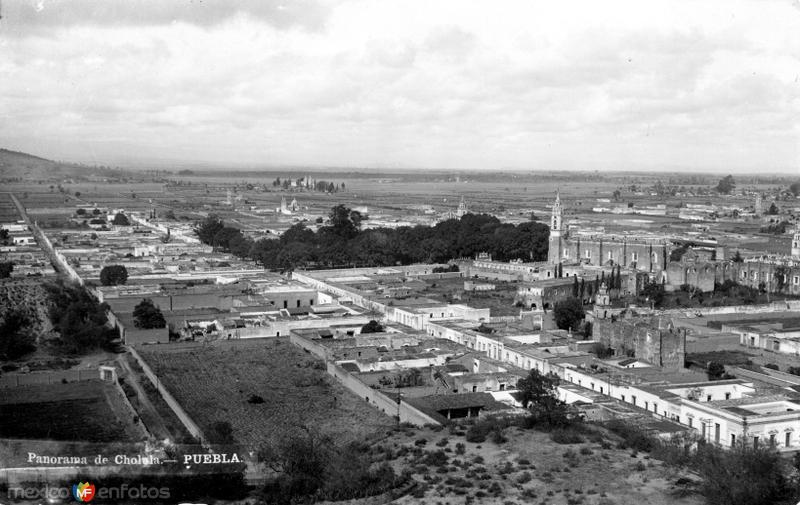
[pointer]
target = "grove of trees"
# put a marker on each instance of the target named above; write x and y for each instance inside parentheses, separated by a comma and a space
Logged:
(341, 242)
(16, 338)
(78, 317)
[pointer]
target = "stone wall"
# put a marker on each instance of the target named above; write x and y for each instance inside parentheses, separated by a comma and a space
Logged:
(645, 339)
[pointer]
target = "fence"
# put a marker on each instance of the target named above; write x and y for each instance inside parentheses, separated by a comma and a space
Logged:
(16, 380)
(187, 421)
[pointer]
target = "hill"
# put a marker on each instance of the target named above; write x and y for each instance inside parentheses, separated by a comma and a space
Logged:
(19, 166)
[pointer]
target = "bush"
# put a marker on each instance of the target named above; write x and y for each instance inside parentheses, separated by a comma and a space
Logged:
(498, 437)
(460, 448)
(524, 477)
(566, 437)
(255, 399)
(632, 436)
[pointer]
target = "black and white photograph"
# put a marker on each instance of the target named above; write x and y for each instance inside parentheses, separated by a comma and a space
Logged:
(400, 252)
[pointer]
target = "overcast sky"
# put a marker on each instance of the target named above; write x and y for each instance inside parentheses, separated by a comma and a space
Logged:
(708, 85)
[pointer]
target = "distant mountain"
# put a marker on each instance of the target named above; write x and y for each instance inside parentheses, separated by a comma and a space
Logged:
(17, 165)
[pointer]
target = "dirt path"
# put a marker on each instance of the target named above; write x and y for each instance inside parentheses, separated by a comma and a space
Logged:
(144, 406)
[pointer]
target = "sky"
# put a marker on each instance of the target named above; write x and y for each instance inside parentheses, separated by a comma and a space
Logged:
(529, 85)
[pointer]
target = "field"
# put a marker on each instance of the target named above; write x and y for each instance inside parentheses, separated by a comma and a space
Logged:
(90, 411)
(531, 468)
(214, 384)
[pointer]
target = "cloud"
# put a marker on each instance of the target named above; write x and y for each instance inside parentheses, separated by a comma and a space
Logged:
(43, 15)
(407, 83)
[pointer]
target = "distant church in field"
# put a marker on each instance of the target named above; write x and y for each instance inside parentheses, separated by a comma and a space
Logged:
(673, 261)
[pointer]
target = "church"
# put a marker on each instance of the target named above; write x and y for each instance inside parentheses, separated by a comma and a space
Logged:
(671, 261)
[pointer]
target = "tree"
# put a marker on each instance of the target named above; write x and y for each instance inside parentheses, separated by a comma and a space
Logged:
(121, 220)
(16, 337)
(795, 188)
(746, 474)
(81, 212)
(6, 267)
(113, 275)
(653, 292)
(715, 370)
(208, 228)
(737, 257)
(568, 314)
(773, 210)
(77, 194)
(147, 316)
(726, 185)
(372, 327)
(344, 222)
(538, 393)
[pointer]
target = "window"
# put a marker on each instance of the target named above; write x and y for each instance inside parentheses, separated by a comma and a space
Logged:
(285, 304)
(610, 255)
(716, 432)
(690, 422)
(298, 303)
(772, 439)
(588, 254)
(623, 398)
(733, 439)
(566, 253)
(634, 256)
(502, 387)
(796, 280)
(755, 442)
(646, 407)
(311, 302)
(633, 400)
(601, 389)
(708, 398)
(474, 389)
(727, 396)
(788, 439)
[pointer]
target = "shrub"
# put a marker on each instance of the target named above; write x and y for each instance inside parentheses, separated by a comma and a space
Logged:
(524, 477)
(460, 448)
(255, 399)
(566, 437)
(443, 442)
(498, 437)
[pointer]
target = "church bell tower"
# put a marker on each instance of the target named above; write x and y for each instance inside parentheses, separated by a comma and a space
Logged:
(555, 243)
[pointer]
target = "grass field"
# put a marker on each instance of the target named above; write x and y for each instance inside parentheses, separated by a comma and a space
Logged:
(89, 411)
(214, 383)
